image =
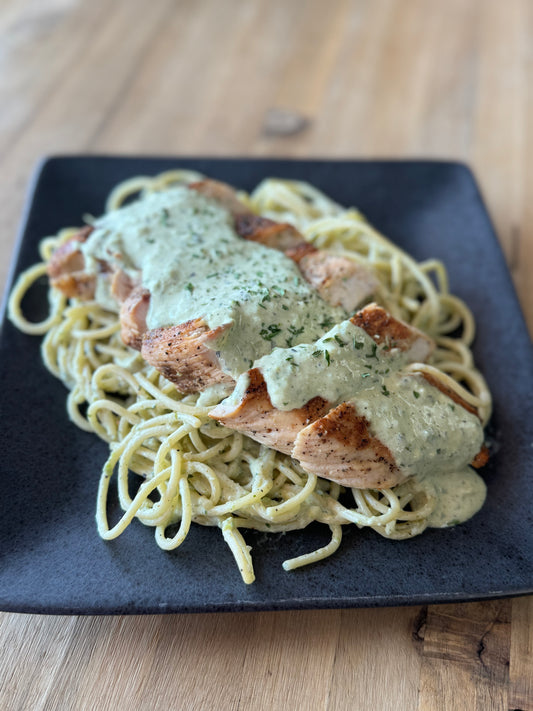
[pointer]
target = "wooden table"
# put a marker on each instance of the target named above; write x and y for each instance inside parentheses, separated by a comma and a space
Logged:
(388, 78)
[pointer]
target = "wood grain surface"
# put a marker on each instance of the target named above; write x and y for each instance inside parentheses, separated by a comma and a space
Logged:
(344, 78)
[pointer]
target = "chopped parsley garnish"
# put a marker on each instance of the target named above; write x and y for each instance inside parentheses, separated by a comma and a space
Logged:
(315, 354)
(373, 353)
(296, 331)
(189, 287)
(385, 391)
(416, 394)
(357, 344)
(326, 356)
(327, 322)
(270, 332)
(339, 341)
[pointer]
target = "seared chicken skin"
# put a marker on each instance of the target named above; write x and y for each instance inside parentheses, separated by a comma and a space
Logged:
(66, 268)
(255, 415)
(182, 355)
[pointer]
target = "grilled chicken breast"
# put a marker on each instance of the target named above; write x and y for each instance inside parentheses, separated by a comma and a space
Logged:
(334, 440)
(338, 280)
(341, 447)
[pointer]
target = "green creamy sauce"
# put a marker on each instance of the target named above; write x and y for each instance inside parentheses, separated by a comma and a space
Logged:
(459, 495)
(423, 428)
(196, 266)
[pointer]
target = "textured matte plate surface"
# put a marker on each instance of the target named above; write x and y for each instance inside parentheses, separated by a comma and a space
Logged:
(52, 558)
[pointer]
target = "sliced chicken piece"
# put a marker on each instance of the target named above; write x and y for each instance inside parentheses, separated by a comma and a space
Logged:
(133, 313)
(123, 284)
(299, 251)
(66, 268)
(340, 447)
(339, 280)
(182, 354)
(254, 414)
(393, 333)
(249, 226)
(482, 457)
(78, 285)
(276, 235)
(223, 193)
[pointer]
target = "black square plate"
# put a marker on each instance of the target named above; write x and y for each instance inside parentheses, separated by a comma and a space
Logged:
(52, 558)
